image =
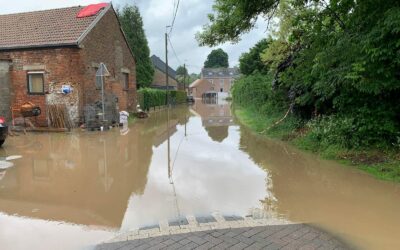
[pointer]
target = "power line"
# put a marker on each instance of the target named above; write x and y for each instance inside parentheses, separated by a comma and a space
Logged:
(173, 50)
(174, 15)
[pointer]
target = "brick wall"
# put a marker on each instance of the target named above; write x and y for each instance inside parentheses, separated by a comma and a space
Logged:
(106, 43)
(60, 65)
(5, 89)
(76, 66)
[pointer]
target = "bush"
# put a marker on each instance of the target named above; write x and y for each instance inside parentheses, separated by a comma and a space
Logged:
(149, 98)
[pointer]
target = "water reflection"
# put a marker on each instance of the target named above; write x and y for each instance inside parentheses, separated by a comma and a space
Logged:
(83, 185)
(216, 117)
(346, 202)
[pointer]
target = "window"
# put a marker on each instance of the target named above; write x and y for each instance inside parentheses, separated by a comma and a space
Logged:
(126, 80)
(221, 82)
(36, 83)
(212, 82)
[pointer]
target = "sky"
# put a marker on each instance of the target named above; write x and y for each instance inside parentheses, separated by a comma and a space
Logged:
(157, 14)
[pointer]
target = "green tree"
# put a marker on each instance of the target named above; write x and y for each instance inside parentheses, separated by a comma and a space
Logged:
(181, 71)
(251, 61)
(338, 59)
(132, 24)
(217, 59)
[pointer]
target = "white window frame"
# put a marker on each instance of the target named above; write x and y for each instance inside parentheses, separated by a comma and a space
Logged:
(28, 74)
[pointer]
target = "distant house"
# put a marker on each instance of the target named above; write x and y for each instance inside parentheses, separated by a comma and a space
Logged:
(214, 81)
(51, 57)
(159, 80)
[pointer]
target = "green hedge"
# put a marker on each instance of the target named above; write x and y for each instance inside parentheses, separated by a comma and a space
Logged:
(149, 98)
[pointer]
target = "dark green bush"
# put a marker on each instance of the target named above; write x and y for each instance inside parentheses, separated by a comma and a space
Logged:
(149, 98)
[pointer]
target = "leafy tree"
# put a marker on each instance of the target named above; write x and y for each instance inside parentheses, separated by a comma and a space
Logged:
(217, 59)
(335, 59)
(251, 61)
(181, 71)
(233, 18)
(132, 24)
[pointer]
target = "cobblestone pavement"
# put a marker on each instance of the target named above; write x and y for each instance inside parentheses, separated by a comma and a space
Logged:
(292, 236)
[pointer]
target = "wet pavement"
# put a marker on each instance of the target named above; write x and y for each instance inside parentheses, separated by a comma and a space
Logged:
(82, 188)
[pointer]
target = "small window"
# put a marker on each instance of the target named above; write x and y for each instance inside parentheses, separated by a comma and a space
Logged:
(222, 90)
(212, 82)
(126, 80)
(36, 83)
(222, 82)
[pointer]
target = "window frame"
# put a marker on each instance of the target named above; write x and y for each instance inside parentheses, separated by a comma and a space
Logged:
(28, 74)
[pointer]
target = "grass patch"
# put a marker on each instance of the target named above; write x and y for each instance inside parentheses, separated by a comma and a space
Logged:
(383, 165)
(264, 124)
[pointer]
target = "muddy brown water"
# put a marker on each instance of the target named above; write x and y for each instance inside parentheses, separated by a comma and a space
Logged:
(71, 191)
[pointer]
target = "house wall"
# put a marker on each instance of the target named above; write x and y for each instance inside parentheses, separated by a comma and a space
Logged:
(226, 85)
(5, 89)
(160, 77)
(216, 85)
(106, 43)
(204, 86)
(60, 66)
(76, 67)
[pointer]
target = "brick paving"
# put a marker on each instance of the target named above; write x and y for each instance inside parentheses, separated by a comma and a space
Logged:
(291, 236)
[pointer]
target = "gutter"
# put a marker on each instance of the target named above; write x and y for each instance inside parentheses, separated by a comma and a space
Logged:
(41, 46)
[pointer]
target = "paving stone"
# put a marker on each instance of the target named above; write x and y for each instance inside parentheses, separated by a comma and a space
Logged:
(286, 237)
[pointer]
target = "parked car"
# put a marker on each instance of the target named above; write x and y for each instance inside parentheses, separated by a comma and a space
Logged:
(190, 99)
(3, 130)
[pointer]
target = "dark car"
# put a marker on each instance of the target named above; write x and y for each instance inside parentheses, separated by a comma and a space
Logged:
(190, 99)
(3, 130)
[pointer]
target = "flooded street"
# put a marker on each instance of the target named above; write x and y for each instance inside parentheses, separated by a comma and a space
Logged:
(82, 188)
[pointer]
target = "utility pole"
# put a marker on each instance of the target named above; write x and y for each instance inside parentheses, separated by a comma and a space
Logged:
(184, 77)
(166, 65)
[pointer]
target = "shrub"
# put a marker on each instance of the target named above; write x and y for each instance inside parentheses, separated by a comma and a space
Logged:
(149, 98)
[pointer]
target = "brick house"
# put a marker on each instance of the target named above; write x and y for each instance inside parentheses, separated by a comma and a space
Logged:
(217, 81)
(159, 80)
(42, 52)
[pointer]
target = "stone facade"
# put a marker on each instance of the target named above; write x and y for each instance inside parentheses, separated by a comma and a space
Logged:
(74, 66)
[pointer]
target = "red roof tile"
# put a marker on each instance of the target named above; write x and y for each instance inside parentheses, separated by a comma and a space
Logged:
(43, 28)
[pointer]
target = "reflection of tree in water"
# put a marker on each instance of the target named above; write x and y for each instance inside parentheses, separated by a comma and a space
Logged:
(217, 133)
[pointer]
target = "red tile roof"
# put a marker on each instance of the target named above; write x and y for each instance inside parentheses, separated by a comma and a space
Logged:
(45, 28)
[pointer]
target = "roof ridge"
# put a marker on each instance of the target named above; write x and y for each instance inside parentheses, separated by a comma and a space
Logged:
(37, 11)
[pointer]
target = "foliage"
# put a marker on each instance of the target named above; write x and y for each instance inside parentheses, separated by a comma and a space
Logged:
(217, 59)
(231, 18)
(150, 98)
(181, 71)
(333, 59)
(251, 61)
(132, 24)
(178, 96)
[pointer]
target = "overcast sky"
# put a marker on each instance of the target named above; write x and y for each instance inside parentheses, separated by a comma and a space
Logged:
(192, 15)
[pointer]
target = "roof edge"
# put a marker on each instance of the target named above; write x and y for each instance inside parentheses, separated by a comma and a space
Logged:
(93, 24)
(40, 46)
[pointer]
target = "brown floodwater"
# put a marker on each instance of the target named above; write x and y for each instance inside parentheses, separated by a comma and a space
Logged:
(74, 190)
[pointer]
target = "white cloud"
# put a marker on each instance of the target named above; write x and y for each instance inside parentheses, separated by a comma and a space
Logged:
(157, 14)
